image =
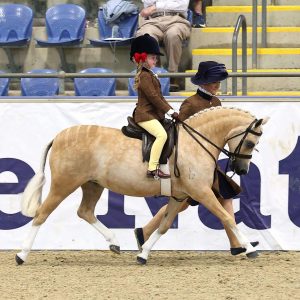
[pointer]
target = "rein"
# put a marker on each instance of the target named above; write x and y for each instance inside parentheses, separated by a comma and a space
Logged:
(231, 155)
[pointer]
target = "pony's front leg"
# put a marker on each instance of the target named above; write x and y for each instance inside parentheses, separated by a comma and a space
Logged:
(250, 250)
(172, 210)
(214, 206)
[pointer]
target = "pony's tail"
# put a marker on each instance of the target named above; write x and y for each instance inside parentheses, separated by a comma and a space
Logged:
(32, 195)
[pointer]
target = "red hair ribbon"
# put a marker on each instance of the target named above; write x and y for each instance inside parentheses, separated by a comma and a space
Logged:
(140, 56)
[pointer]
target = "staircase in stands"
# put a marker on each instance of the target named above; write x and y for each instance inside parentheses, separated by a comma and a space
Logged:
(281, 55)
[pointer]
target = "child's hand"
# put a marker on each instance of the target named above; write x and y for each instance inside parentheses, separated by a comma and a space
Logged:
(175, 116)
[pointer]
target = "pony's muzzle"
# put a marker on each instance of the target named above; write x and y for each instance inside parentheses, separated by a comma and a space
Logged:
(238, 166)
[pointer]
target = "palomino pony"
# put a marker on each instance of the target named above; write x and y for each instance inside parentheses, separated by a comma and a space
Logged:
(94, 157)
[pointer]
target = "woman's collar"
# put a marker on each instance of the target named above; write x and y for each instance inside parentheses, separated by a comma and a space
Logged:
(204, 94)
(204, 91)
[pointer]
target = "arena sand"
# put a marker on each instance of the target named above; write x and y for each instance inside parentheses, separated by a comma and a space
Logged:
(168, 275)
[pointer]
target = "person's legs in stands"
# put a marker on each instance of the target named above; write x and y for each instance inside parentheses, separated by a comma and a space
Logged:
(151, 28)
(178, 30)
(198, 19)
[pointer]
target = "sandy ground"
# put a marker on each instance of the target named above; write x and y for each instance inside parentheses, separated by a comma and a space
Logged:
(167, 275)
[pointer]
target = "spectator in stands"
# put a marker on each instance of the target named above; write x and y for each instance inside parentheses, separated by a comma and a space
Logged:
(151, 106)
(208, 78)
(198, 20)
(166, 21)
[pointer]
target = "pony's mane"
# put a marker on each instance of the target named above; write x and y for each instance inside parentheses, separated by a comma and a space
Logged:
(204, 111)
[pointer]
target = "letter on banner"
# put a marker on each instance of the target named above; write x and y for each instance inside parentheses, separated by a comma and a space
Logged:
(249, 212)
(291, 166)
(155, 204)
(116, 216)
(24, 173)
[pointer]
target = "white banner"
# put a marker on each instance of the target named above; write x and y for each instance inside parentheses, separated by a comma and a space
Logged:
(268, 210)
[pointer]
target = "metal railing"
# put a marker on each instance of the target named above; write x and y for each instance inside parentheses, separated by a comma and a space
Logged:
(264, 23)
(241, 22)
(254, 29)
(62, 75)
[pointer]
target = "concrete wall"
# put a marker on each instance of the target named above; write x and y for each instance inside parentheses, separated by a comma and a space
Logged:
(34, 57)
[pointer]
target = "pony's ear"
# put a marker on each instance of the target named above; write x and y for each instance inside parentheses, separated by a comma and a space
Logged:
(261, 121)
(265, 120)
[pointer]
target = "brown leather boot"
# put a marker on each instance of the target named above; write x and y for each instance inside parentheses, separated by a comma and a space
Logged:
(158, 173)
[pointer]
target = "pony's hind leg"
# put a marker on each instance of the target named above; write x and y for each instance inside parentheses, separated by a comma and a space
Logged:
(91, 194)
(172, 210)
(56, 195)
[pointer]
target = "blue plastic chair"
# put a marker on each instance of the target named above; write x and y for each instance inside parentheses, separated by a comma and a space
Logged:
(4, 83)
(65, 25)
(15, 25)
(95, 86)
(119, 34)
(164, 82)
(40, 86)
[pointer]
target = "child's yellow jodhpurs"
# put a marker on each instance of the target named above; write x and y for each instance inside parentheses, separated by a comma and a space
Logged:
(156, 129)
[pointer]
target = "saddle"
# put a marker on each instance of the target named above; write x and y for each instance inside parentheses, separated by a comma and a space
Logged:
(133, 130)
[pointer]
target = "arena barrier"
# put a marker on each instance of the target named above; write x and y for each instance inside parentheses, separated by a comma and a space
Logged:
(268, 210)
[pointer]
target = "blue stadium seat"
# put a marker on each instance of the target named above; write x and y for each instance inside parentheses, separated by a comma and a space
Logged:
(15, 25)
(65, 25)
(164, 82)
(40, 86)
(4, 82)
(95, 86)
(119, 34)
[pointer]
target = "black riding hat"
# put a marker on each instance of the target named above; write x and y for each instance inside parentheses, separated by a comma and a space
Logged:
(144, 43)
(209, 72)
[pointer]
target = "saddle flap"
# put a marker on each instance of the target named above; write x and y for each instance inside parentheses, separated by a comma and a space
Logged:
(133, 130)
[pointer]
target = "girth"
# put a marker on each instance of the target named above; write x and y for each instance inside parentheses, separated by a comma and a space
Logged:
(133, 130)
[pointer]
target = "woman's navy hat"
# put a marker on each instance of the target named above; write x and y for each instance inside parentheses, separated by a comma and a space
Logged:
(145, 43)
(209, 72)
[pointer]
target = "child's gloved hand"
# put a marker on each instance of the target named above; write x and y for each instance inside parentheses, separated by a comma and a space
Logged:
(175, 116)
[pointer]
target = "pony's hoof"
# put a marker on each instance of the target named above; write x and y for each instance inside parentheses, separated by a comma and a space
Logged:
(252, 254)
(237, 250)
(141, 260)
(115, 249)
(19, 260)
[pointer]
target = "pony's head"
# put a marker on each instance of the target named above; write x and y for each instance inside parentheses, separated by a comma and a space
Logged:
(242, 141)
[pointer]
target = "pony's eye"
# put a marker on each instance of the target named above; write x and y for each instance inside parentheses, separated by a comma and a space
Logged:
(249, 144)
